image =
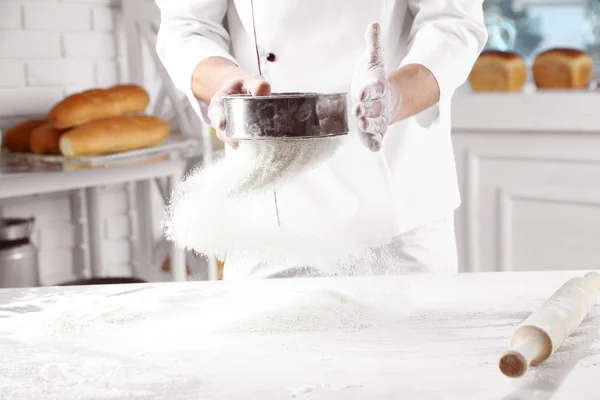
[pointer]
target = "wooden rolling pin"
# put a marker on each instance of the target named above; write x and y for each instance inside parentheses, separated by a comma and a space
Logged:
(538, 337)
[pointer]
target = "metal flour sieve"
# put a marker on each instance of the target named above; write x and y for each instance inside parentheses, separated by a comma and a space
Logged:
(286, 116)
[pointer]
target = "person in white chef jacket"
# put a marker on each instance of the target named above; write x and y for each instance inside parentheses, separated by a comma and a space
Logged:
(397, 164)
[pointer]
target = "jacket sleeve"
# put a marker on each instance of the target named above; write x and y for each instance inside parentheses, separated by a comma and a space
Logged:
(447, 36)
(190, 32)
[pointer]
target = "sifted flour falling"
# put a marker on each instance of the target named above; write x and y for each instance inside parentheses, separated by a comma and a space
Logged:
(228, 209)
(267, 164)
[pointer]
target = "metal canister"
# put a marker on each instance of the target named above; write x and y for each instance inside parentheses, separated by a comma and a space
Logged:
(18, 255)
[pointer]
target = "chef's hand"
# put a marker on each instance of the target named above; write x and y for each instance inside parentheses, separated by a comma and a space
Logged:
(375, 100)
(247, 84)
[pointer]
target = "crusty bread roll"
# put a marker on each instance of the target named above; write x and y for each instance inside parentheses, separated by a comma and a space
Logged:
(95, 104)
(498, 71)
(113, 135)
(563, 68)
(44, 139)
(16, 138)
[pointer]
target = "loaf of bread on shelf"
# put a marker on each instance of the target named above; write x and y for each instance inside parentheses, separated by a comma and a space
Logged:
(563, 68)
(114, 135)
(498, 71)
(16, 138)
(44, 139)
(93, 104)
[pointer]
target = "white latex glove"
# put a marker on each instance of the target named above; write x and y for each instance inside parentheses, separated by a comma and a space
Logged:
(373, 97)
(249, 84)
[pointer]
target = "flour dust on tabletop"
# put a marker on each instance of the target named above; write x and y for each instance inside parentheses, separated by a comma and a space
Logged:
(228, 208)
(77, 317)
(321, 307)
(314, 311)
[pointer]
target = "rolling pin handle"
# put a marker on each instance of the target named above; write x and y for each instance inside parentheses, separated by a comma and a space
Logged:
(530, 346)
(513, 364)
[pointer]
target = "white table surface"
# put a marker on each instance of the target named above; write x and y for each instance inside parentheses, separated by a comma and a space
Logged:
(432, 337)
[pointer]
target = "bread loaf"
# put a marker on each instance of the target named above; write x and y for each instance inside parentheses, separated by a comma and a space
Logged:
(498, 71)
(95, 104)
(16, 138)
(44, 139)
(113, 135)
(563, 68)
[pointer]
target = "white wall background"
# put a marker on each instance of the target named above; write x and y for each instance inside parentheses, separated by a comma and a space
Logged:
(49, 49)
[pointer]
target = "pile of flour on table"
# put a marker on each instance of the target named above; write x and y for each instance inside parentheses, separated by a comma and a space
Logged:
(229, 208)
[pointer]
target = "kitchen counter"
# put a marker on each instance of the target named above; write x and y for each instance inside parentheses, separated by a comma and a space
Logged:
(529, 110)
(413, 337)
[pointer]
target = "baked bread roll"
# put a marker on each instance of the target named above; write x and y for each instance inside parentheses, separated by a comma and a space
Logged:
(563, 68)
(44, 139)
(498, 71)
(114, 135)
(95, 104)
(16, 138)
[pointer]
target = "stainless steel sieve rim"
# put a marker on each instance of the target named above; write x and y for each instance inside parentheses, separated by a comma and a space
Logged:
(285, 95)
(251, 117)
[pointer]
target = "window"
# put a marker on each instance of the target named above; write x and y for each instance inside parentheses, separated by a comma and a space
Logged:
(531, 26)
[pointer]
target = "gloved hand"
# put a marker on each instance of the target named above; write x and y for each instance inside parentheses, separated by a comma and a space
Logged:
(248, 84)
(375, 100)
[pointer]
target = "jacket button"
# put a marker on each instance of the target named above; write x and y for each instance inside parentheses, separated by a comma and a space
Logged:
(270, 57)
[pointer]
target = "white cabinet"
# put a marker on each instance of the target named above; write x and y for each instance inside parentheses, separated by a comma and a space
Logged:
(531, 200)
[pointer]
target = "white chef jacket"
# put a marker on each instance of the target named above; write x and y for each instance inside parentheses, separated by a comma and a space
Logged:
(314, 45)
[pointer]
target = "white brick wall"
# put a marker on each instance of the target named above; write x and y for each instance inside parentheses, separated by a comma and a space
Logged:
(11, 16)
(60, 71)
(49, 49)
(13, 73)
(56, 17)
(52, 48)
